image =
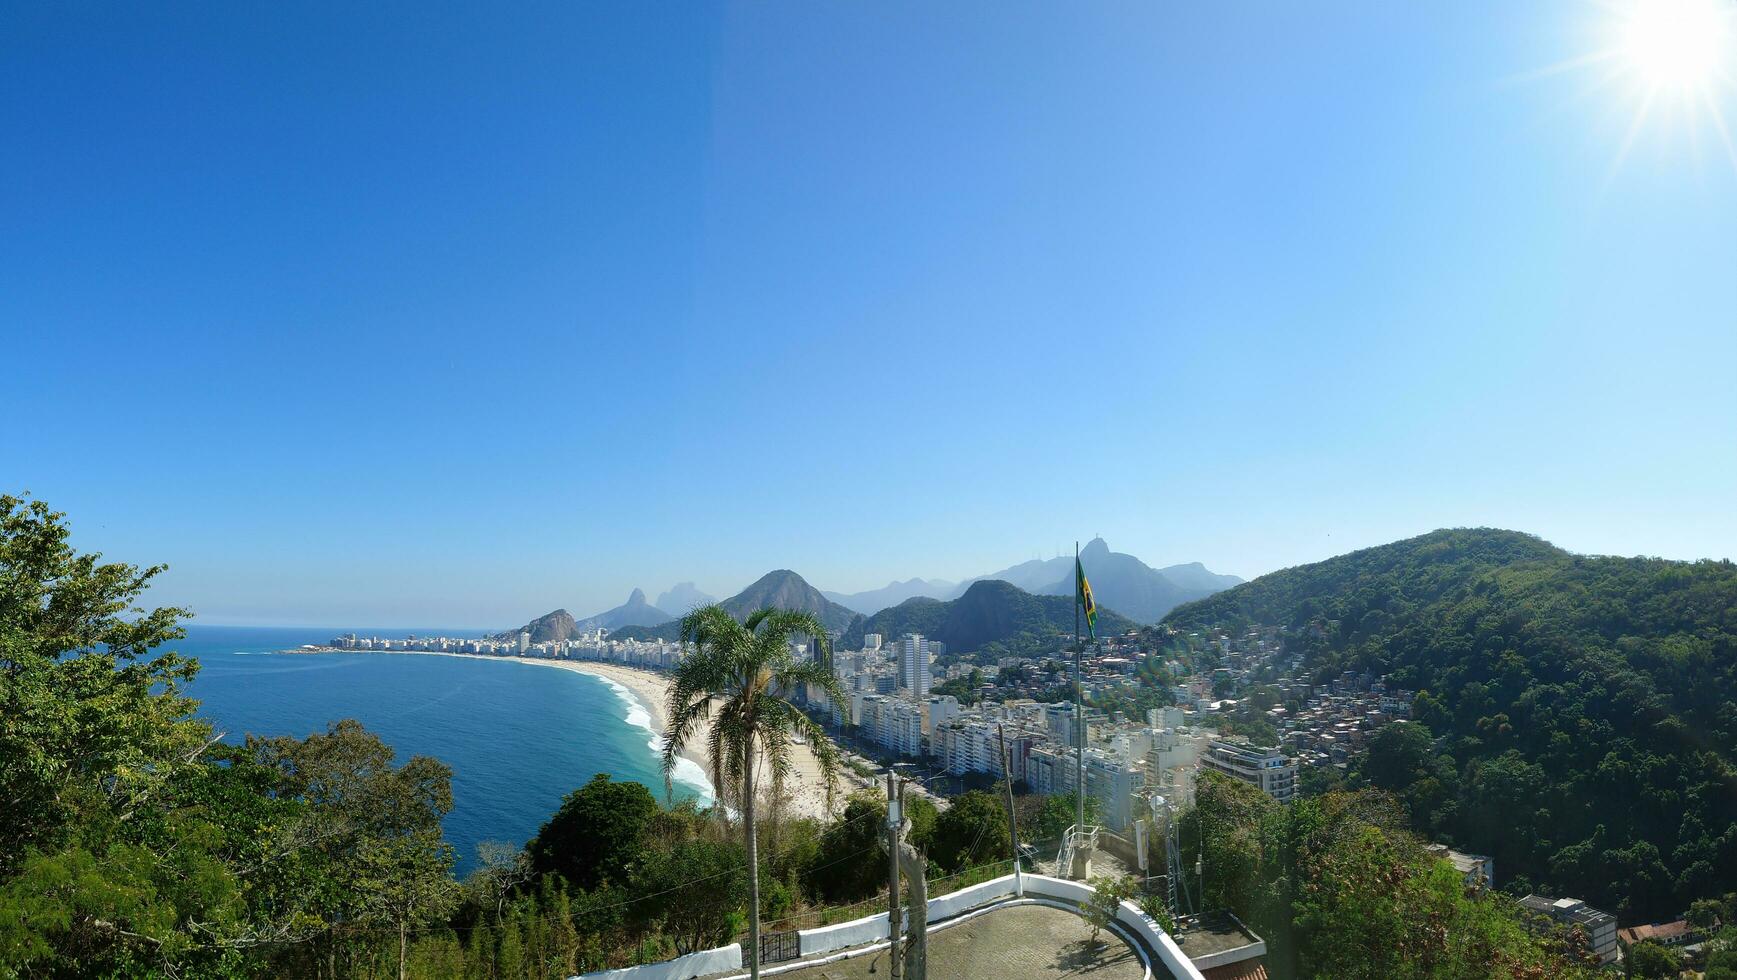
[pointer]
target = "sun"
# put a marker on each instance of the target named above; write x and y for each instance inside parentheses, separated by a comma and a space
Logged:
(1669, 66)
(1679, 46)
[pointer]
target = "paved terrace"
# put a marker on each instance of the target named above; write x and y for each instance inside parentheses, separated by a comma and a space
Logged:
(985, 930)
(1033, 941)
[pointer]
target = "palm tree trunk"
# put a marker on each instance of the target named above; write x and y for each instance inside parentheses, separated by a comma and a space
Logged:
(753, 864)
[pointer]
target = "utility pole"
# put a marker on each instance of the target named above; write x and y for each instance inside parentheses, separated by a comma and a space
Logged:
(894, 817)
(1012, 818)
(916, 868)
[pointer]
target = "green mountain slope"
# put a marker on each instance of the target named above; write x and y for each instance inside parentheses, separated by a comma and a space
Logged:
(781, 589)
(1586, 706)
(988, 612)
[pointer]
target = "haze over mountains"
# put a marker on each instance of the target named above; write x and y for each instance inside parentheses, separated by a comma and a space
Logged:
(682, 597)
(1123, 584)
(874, 600)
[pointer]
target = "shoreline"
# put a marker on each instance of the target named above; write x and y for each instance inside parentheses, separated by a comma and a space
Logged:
(646, 690)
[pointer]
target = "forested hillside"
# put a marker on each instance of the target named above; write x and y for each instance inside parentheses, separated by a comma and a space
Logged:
(990, 612)
(1584, 709)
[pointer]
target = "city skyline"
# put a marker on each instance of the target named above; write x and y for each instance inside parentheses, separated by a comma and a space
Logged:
(357, 317)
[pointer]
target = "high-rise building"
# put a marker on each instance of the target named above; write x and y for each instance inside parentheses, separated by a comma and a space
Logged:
(524, 642)
(914, 664)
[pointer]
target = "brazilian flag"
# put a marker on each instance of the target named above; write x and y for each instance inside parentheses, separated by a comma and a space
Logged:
(1083, 594)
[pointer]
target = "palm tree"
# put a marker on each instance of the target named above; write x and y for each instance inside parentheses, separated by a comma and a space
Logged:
(748, 669)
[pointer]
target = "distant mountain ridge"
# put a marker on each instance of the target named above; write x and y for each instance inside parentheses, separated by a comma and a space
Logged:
(1120, 581)
(682, 597)
(874, 600)
(634, 612)
(988, 612)
(781, 589)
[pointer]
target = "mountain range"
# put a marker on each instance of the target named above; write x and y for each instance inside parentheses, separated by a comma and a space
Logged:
(1124, 586)
(874, 600)
(560, 625)
(989, 611)
(1120, 581)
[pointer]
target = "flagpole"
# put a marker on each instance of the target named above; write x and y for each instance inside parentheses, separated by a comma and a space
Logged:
(1079, 713)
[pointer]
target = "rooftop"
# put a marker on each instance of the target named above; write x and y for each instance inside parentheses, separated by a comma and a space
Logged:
(1201, 936)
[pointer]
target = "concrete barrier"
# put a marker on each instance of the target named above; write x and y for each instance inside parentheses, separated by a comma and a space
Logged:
(1122, 849)
(947, 906)
(1067, 891)
(1170, 954)
(681, 968)
(857, 932)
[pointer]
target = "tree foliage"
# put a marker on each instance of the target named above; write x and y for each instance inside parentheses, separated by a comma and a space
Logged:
(596, 834)
(1338, 888)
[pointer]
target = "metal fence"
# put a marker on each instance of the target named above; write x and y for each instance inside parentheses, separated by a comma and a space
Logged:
(776, 947)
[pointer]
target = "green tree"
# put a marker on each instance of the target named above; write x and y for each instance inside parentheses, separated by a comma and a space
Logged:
(378, 825)
(1106, 900)
(1652, 960)
(1721, 965)
(1339, 888)
(735, 679)
(699, 892)
(971, 832)
(92, 717)
(1705, 913)
(1058, 813)
(596, 833)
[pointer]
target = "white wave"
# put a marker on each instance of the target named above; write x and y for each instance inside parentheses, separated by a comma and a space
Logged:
(687, 771)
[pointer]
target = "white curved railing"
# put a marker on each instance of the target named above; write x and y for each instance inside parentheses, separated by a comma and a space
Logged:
(869, 933)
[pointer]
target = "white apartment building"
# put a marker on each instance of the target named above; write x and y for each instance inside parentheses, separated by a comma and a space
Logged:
(1267, 768)
(893, 724)
(1050, 770)
(914, 664)
(942, 709)
(964, 746)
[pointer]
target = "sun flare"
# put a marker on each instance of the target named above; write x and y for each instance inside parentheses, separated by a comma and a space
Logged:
(1683, 45)
(1666, 68)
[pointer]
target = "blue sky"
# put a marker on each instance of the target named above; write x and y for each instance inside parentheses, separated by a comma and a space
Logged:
(426, 313)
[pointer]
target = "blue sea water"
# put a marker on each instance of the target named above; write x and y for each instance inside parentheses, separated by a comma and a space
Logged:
(518, 736)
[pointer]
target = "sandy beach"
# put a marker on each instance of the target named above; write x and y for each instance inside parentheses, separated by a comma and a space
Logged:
(805, 793)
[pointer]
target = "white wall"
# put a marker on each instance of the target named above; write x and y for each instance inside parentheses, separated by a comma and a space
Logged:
(844, 935)
(682, 967)
(1169, 953)
(948, 906)
(1067, 891)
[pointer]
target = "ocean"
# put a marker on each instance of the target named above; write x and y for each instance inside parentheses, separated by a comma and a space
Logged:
(518, 736)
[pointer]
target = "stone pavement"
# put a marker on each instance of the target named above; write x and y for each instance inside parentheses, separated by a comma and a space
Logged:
(1032, 941)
